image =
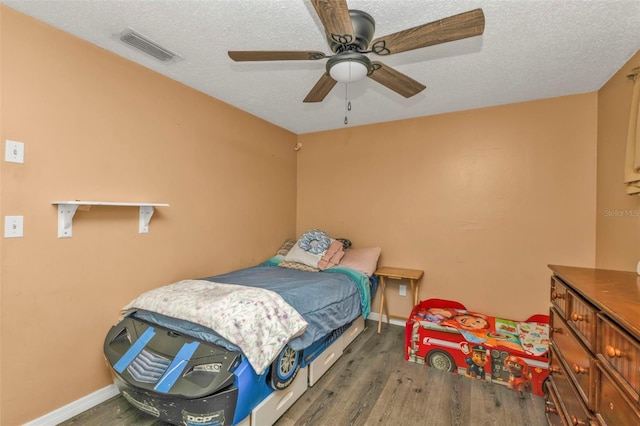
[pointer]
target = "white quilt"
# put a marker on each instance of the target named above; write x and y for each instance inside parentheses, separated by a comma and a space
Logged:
(256, 320)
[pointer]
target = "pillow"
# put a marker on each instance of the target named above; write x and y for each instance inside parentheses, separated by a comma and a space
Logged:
(299, 266)
(286, 247)
(332, 256)
(364, 260)
(345, 243)
(314, 241)
(299, 255)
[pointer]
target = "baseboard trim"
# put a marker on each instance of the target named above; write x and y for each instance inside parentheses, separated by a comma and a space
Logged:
(374, 317)
(74, 408)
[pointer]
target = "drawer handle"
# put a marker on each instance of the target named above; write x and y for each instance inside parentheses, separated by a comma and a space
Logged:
(577, 317)
(550, 408)
(556, 295)
(555, 370)
(577, 421)
(555, 330)
(579, 370)
(613, 352)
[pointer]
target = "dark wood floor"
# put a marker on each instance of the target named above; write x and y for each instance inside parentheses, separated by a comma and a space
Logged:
(372, 384)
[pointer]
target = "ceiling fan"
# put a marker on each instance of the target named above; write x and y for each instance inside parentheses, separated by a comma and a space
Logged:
(349, 33)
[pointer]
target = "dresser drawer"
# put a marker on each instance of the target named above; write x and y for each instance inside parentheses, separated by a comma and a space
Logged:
(612, 408)
(582, 316)
(552, 407)
(621, 354)
(559, 295)
(577, 359)
(571, 404)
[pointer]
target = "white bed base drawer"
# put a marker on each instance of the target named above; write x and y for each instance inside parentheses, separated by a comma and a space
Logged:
(320, 365)
(353, 332)
(272, 407)
(325, 360)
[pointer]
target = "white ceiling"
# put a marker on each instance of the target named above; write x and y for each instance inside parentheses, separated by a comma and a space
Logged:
(530, 49)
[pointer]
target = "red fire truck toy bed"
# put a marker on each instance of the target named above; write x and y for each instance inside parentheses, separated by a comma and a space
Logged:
(443, 334)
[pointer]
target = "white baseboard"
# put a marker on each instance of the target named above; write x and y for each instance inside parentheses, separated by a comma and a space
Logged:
(374, 317)
(74, 408)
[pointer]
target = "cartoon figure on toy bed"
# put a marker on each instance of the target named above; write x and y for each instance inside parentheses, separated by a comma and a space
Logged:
(443, 334)
(208, 352)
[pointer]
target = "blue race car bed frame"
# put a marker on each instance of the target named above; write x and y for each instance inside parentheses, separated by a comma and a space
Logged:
(184, 373)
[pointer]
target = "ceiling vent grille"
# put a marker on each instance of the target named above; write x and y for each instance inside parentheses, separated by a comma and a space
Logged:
(148, 46)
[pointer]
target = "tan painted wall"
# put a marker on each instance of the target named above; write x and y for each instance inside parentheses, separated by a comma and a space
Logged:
(618, 214)
(97, 127)
(480, 200)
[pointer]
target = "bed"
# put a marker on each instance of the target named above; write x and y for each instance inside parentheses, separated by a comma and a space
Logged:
(238, 348)
(443, 334)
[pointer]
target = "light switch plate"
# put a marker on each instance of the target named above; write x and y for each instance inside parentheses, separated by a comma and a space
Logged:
(14, 152)
(13, 226)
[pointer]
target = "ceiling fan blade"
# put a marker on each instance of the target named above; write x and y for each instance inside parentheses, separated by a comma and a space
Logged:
(334, 15)
(274, 55)
(456, 27)
(395, 80)
(321, 89)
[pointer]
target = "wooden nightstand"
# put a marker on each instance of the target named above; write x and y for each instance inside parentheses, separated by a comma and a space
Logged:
(412, 275)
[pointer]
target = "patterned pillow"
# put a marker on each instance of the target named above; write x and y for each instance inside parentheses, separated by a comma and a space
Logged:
(314, 241)
(345, 243)
(284, 250)
(299, 266)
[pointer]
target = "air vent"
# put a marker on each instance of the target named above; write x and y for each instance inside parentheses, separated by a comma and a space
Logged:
(148, 46)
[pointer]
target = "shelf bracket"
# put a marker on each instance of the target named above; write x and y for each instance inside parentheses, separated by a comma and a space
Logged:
(145, 216)
(65, 219)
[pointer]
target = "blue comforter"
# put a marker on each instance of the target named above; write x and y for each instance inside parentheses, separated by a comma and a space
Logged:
(327, 300)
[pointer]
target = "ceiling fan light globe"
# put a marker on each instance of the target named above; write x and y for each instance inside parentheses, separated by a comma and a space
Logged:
(348, 71)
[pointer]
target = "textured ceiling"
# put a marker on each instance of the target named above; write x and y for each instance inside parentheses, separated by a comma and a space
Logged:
(530, 49)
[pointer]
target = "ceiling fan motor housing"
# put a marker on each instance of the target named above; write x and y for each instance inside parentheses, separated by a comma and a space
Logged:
(363, 28)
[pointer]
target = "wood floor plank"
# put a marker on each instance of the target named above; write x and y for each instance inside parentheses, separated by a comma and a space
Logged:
(372, 384)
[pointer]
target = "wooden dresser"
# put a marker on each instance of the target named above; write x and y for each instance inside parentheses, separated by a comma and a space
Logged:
(595, 347)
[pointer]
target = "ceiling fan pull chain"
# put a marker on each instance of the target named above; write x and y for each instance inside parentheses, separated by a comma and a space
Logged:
(347, 104)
